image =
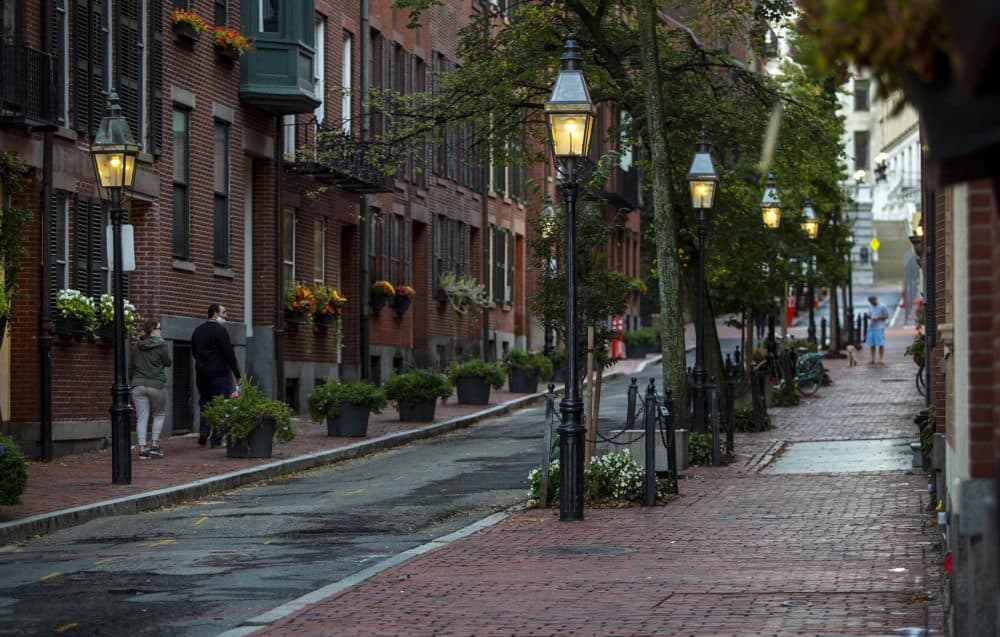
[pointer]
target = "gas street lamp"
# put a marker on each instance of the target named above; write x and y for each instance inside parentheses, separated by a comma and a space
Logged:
(114, 152)
(570, 114)
(770, 213)
(702, 181)
(810, 225)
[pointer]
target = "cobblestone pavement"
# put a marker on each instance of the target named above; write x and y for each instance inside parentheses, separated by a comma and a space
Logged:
(739, 553)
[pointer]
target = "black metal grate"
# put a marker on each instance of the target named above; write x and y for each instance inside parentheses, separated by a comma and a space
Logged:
(27, 86)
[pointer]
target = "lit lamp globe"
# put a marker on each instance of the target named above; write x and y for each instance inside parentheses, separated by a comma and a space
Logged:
(702, 178)
(770, 204)
(569, 110)
(810, 224)
(114, 150)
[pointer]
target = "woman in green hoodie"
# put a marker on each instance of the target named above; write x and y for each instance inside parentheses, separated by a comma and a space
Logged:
(148, 377)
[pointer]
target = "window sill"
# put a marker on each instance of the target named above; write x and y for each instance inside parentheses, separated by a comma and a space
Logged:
(399, 184)
(226, 273)
(421, 192)
(67, 134)
(187, 266)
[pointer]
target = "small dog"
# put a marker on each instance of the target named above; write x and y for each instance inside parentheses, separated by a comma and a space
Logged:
(852, 360)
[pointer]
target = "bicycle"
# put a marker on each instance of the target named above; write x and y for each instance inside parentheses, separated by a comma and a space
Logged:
(809, 372)
(921, 379)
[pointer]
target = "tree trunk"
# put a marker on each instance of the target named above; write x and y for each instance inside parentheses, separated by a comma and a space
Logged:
(834, 322)
(714, 367)
(668, 272)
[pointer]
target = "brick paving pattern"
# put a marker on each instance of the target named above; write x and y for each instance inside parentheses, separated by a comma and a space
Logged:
(739, 553)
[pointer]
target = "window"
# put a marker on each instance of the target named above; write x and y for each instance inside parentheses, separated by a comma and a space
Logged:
(502, 257)
(221, 250)
(861, 94)
(90, 268)
(269, 22)
(499, 178)
(319, 251)
(58, 245)
(221, 13)
(288, 136)
(378, 247)
(182, 4)
(345, 84)
(181, 176)
(451, 247)
(319, 68)
(399, 250)
(861, 150)
(288, 252)
(10, 28)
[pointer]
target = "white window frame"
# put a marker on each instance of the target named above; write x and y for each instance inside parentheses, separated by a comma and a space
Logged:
(319, 251)
(289, 128)
(319, 68)
(345, 83)
(289, 259)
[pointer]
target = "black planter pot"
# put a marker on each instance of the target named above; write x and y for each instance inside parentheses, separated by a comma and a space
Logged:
(70, 327)
(258, 445)
(400, 304)
(184, 32)
(378, 302)
(352, 421)
(226, 54)
(522, 381)
(422, 411)
(294, 318)
(323, 320)
(105, 331)
(636, 350)
(472, 390)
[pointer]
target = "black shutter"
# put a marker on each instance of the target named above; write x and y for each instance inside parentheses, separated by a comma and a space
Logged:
(509, 292)
(55, 18)
(55, 247)
(81, 244)
(88, 65)
(156, 79)
(98, 55)
(128, 58)
(98, 256)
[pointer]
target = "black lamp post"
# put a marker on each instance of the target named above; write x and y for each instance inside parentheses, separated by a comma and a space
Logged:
(770, 214)
(702, 181)
(810, 225)
(570, 115)
(114, 152)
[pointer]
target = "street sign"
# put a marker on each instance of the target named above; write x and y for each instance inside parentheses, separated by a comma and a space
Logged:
(874, 243)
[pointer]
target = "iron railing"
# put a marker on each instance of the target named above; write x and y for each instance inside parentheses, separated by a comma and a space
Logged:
(27, 86)
(329, 154)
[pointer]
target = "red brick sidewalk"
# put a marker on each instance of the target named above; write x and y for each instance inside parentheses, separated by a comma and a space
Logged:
(740, 553)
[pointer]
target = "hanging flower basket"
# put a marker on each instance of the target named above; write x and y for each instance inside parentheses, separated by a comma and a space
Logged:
(188, 25)
(230, 44)
(400, 304)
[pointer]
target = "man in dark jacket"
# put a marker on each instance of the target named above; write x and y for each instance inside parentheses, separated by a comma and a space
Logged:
(213, 360)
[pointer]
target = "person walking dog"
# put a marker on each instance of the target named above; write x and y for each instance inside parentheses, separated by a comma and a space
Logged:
(148, 378)
(878, 314)
(214, 358)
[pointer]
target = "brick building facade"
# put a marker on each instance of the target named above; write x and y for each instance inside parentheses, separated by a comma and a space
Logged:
(223, 211)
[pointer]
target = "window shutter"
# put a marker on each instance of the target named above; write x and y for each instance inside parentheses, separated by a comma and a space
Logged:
(510, 267)
(436, 247)
(128, 59)
(54, 245)
(81, 244)
(156, 79)
(55, 16)
(98, 257)
(498, 254)
(81, 65)
(98, 55)
(384, 255)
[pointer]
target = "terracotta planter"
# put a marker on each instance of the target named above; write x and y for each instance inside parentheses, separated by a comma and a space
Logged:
(259, 444)
(352, 421)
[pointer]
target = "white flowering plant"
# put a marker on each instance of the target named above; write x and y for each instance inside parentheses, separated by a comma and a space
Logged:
(613, 476)
(106, 313)
(74, 304)
(239, 414)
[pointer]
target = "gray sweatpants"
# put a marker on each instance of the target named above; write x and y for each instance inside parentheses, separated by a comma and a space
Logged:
(149, 400)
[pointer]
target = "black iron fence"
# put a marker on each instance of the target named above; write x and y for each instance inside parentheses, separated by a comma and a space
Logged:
(27, 86)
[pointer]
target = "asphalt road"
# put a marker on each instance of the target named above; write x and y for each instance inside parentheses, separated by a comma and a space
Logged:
(201, 568)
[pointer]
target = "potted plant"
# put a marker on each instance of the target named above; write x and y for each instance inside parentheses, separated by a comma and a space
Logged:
(13, 472)
(300, 303)
(473, 378)
(916, 348)
(251, 422)
(346, 406)
(416, 393)
(229, 43)
(106, 317)
(75, 313)
(329, 305)
(401, 301)
(382, 291)
(640, 342)
(525, 369)
(188, 25)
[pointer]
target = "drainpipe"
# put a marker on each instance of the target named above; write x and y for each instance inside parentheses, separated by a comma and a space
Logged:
(364, 223)
(279, 261)
(487, 353)
(45, 310)
(930, 276)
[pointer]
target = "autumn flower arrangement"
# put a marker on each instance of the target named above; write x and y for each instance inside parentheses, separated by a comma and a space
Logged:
(405, 291)
(300, 298)
(190, 18)
(329, 301)
(383, 288)
(228, 38)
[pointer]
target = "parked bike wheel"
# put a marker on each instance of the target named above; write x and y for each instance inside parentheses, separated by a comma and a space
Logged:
(809, 386)
(921, 381)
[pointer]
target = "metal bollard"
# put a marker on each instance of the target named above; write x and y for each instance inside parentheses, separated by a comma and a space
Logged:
(650, 426)
(731, 380)
(633, 393)
(669, 415)
(713, 392)
(737, 356)
(822, 333)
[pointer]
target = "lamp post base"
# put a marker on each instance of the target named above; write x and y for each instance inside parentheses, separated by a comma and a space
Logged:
(571, 447)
